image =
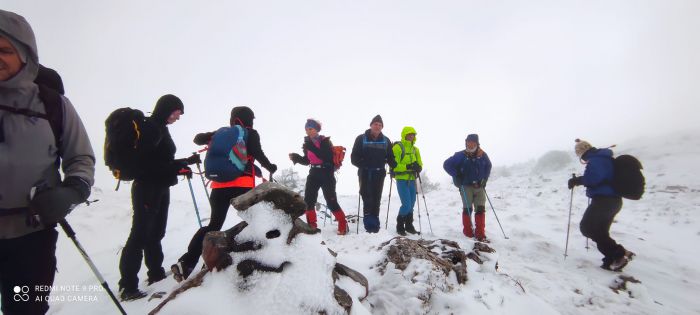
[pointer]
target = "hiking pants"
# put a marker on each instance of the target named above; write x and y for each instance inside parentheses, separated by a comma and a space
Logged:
(371, 186)
(27, 262)
(220, 201)
(407, 193)
(324, 179)
(595, 225)
(150, 202)
(475, 197)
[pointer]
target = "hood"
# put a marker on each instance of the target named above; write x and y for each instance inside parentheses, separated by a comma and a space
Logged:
(15, 28)
(406, 130)
(165, 106)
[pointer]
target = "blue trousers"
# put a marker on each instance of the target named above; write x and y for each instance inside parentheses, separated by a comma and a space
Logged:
(407, 193)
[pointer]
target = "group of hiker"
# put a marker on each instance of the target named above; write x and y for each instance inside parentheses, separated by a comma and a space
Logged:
(34, 197)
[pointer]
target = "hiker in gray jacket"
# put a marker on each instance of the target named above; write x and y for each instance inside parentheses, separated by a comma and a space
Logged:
(37, 137)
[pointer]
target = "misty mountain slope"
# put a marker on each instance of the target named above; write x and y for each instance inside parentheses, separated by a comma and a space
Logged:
(533, 277)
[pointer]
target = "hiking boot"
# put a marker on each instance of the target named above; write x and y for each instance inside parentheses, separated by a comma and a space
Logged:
(155, 279)
(180, 271)
(621, 262)
(400, 229)
(130, 295)
(409, 224)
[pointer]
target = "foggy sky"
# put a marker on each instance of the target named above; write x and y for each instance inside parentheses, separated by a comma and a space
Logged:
(527, 76)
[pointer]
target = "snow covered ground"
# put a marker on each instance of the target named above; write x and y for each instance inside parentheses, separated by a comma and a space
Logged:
(533, 277)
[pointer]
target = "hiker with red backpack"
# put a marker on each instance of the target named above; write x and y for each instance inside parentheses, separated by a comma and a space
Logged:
(605, 203)
(150, 196)
(318, 155)
(470, 170)
(41, 134)
(370, 153)
(408, 167)
(225, 186)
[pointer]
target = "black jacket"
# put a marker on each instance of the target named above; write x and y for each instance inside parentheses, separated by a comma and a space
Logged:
(324, 153)
(157, 149)
(368, 153)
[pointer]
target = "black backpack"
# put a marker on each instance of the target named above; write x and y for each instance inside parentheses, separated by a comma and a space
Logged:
(628, 180)
(123, 130)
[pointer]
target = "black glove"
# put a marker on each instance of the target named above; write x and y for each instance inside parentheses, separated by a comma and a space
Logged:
(54, 204)
(272, 168)
(476, 184)
(482, 183)
(296, 158)
(193, 159)
(391, 173)
(575, 181)
(414, 167)
(185, 171)
(203, 138)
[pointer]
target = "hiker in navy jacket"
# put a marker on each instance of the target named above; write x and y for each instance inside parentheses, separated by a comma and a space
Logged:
(470, 170)
(370, 153)
(604, 206)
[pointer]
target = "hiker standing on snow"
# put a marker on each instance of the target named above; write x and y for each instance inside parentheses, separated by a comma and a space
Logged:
(31, 150)
(150, 196)
(470, 170)
(223, 192)
(318, 155)
(604, 206)
(370, 153)
(408, 166)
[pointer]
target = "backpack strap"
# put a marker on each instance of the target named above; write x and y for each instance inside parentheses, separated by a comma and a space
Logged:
(53, 105)
(403, 150)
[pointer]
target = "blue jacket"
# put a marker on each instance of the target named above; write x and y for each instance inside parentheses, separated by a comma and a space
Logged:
(599, 173)
(468, 169)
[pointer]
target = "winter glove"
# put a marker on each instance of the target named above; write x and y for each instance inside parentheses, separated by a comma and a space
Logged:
(272, 168)
(414, 167)
(203, 138)
(296, 158)
(54, 204)
(575, 181)
(476, 184)
(193, 159)
(391, 173)
(185, 171)
(482, 183)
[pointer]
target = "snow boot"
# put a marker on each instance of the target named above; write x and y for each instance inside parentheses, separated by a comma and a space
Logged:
(480, 219)
(130, 295)
(621, 262)
(400, 229)
(154, 279)
(342, 223)
(467, 225)
(409, 224)
(311, 218)
(181, 271)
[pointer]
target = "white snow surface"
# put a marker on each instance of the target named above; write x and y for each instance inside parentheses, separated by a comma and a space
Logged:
(533, 277)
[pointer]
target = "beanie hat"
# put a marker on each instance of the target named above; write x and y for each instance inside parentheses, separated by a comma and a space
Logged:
(242, 114)
(473, 137)
(377, 119)
(313, 123)
(582, 147)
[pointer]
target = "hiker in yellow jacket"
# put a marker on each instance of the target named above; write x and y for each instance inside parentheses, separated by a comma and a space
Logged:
(409, 164)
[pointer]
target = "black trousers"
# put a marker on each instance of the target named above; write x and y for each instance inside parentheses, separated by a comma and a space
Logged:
(371, 187)
(150, 202)
(220, 201)
(25, 263)
(595, 225)
(324, 179)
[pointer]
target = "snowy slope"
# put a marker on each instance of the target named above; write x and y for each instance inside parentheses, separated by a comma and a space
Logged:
(533, 277)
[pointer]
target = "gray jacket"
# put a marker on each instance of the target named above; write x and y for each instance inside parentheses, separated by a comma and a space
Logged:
(28, 153)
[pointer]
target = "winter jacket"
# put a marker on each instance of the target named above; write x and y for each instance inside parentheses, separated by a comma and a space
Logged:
(23, 163)
(323, 152)
(157, 155)
(468, 169)
(599, 173)
(410, 154)
(372, 154)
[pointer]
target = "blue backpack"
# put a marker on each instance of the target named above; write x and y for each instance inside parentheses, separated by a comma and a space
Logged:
(227, 156)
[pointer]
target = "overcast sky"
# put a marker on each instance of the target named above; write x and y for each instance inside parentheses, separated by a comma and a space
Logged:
(527, 76)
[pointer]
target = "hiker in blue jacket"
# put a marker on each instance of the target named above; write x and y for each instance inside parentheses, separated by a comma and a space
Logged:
(470, 170)
(604, 206)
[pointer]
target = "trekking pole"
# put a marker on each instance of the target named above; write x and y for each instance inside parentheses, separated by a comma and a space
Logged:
(494, 213)
(196, 209)
(589, 204)
(391, 184)
(71, 234)
(427, 213)
(463, 192)
(420, 226)
(201, 175)
(568, 225)
(357, 230)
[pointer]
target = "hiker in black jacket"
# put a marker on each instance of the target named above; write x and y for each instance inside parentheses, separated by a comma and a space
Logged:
(318, 155)
(223, 192)
(370, 153)
(150, 196)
